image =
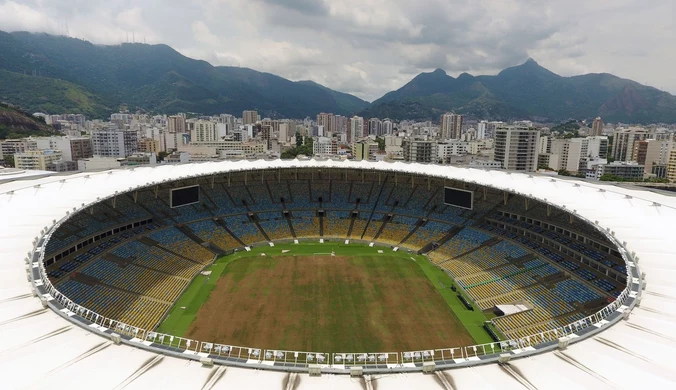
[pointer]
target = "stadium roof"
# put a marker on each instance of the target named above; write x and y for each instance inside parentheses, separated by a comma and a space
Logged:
(39, 349)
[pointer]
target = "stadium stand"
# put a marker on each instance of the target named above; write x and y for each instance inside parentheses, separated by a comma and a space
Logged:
(136, 275)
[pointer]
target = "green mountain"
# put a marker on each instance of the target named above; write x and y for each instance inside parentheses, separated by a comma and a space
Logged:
(97, 80)
(526, 91)
(17, 124)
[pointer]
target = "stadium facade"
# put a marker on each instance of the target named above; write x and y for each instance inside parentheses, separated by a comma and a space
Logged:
(50, 341)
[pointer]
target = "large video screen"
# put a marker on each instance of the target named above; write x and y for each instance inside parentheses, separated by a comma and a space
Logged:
(185, 196)
(459, 198)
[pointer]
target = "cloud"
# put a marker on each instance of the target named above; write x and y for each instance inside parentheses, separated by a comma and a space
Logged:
(369, 47)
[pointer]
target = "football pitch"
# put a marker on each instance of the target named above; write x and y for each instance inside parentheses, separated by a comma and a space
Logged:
(302, 297)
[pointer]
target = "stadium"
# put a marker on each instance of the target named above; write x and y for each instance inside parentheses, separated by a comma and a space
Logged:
(298, 274)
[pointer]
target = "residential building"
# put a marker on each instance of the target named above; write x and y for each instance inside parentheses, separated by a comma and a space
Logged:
(569, 152)
(341, 124)
(375, 127)
(62, 166)
(625, 170)
(516, 148)
(355, 129)
(481, 129)
(328, 120)
(37, 159)
(418, 150)
(72, 148)
(114, 142)
(249, 117)
(650, 152)
(176, 124)
(388, 126)
(325, 147)
(671, 167)
(148, 145)
(142, 159)
(364, 150)
(451, 126)
(207, 131)
(624, 139)
(246, 148)
(451, 148)
(11, 147)
(597, 127)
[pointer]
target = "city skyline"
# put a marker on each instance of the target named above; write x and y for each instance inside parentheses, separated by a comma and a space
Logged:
(366, 48)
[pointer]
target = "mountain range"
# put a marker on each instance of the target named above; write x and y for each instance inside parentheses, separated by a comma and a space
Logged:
(57, 74)
(527, 91)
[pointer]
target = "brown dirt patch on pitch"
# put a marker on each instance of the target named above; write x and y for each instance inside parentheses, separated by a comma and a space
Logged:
(327, 304)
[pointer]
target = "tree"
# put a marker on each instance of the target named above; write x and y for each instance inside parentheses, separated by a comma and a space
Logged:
(161, 156)
(381, 143)
(9, 161)
(299, 139)
(611, 178)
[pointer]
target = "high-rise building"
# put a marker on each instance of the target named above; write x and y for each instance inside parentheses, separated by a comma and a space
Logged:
(388, 126)
(375, 127)
(481, 130)
(517, 148)
(328, 120)
(114, 143)
(207, 131)
(341, 124)
(355, 129)
(229, 121)
(651, 152)
(249, 117)
(569, 152)
(671, 167)
(623, 142)
(451, 126)
(421, 151)
(176, 124)
(597, 127)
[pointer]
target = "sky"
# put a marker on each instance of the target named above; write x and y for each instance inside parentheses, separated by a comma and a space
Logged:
(370, 47)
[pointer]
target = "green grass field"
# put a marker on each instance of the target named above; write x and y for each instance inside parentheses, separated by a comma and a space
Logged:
(359, 300)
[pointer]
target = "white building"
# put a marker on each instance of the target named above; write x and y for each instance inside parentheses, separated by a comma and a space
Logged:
(516, 148)
(324, 147)
(114, 143)
(482, 129)
(355, 129)
(451, 148)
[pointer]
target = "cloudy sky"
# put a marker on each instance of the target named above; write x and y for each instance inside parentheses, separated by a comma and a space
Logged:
(369, 47)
